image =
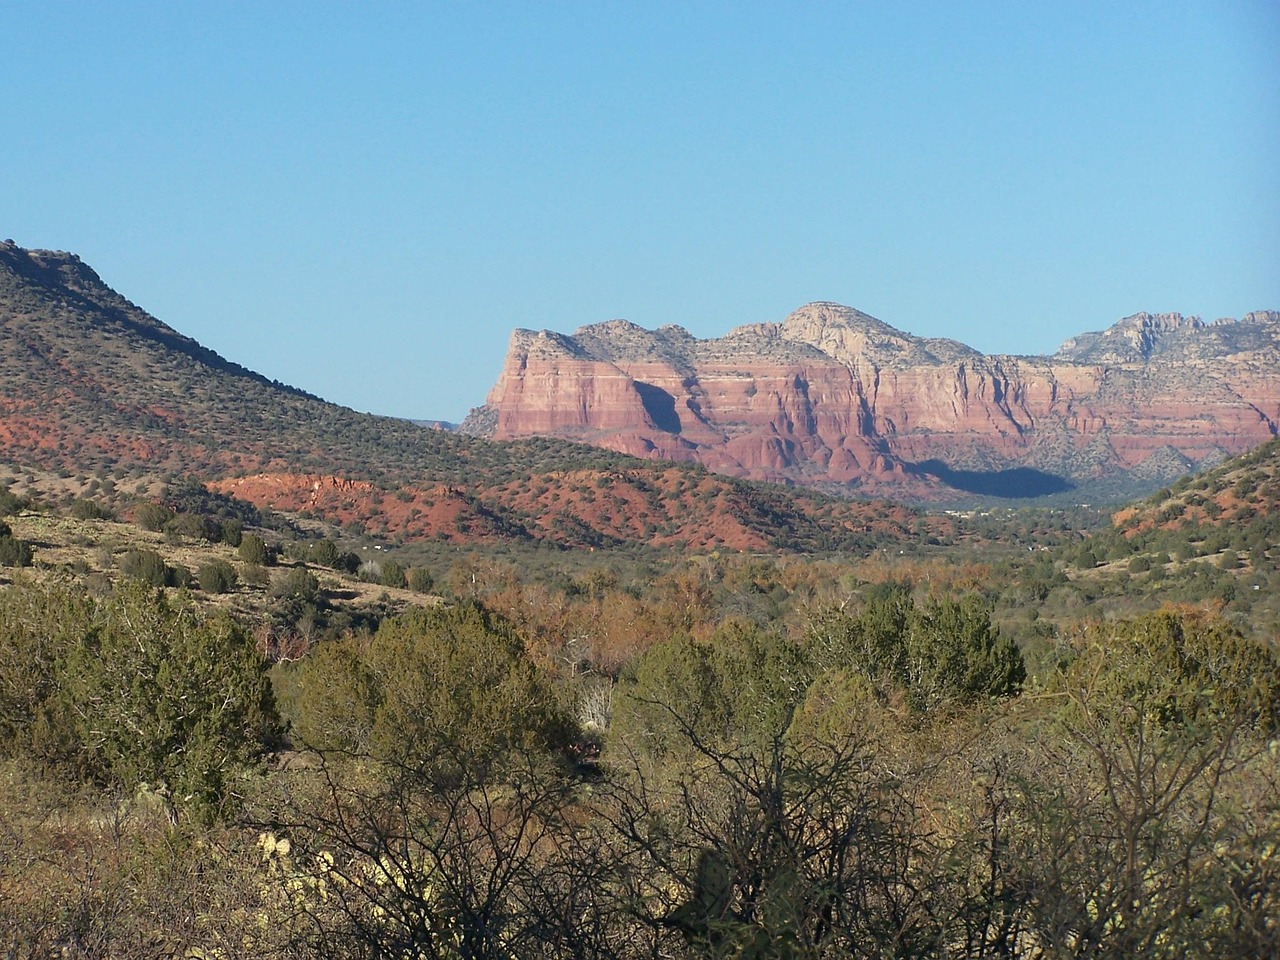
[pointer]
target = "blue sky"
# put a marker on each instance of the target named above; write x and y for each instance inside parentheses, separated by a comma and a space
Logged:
(363, 200)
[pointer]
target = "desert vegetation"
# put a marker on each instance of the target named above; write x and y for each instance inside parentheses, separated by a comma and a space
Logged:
(433, 789)
(1011, 743)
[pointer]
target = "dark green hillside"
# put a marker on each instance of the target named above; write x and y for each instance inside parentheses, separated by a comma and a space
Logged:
(90, 384)
(88, 379)
(1211, 539)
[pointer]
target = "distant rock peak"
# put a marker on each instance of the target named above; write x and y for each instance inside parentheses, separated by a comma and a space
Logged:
(1140, 337)
(51, 268)
(544, 343)
(1143, 331)
(1262, 316)
(835, 398)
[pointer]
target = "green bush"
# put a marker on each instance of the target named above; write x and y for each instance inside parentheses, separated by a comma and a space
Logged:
(420, 580)
(14, 552)
(232, 531)
(10, 502)
(298, 584)
(216, 576)
(152, 516)
(253, 549)
(946, 651)
(255, 575)
(138, 563)
(168, 699)
(955, 652)
(177, 575)
(193, 526)
(392, 574)
(324, 553)
(671, 690)
(433, 689)
(132, 689)
(87, 510)
(740, 687)
(1180, 667)
(38, 624)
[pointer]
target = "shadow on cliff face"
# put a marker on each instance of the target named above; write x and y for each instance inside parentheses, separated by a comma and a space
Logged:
(660, 406)
(1019, 482)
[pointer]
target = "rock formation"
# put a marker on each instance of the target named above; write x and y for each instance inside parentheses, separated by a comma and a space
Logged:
(836, 399)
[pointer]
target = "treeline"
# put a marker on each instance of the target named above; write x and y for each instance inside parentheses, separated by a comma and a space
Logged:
(886, 781)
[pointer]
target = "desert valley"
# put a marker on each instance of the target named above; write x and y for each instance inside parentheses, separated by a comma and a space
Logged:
(816, 639)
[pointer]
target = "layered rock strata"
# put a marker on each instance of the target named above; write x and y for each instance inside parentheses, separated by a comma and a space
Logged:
(834, 398)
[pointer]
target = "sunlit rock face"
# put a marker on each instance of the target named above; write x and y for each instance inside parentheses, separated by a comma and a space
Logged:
(834, 398)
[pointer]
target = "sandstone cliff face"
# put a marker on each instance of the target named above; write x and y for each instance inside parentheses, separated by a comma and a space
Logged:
(834, 398)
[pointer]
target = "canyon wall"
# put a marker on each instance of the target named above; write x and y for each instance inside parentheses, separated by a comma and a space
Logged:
(836, 399)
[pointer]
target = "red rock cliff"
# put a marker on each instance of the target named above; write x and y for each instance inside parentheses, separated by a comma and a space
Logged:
(832, 397)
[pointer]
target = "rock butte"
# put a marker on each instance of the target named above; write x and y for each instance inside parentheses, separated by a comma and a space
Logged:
(836, 399)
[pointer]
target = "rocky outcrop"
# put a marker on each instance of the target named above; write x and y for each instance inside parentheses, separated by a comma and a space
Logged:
(837, 399)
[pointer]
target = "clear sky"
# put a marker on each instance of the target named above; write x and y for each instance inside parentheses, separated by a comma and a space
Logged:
(364, 199)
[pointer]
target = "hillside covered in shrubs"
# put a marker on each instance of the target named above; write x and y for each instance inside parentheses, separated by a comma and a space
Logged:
(232, 733)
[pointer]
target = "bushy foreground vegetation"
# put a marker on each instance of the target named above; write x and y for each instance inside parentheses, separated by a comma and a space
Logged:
(132, 689)
(884, 780)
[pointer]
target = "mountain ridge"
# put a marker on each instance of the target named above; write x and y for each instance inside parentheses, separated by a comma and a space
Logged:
(91, 383)
(67, 278)
(834, 398)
